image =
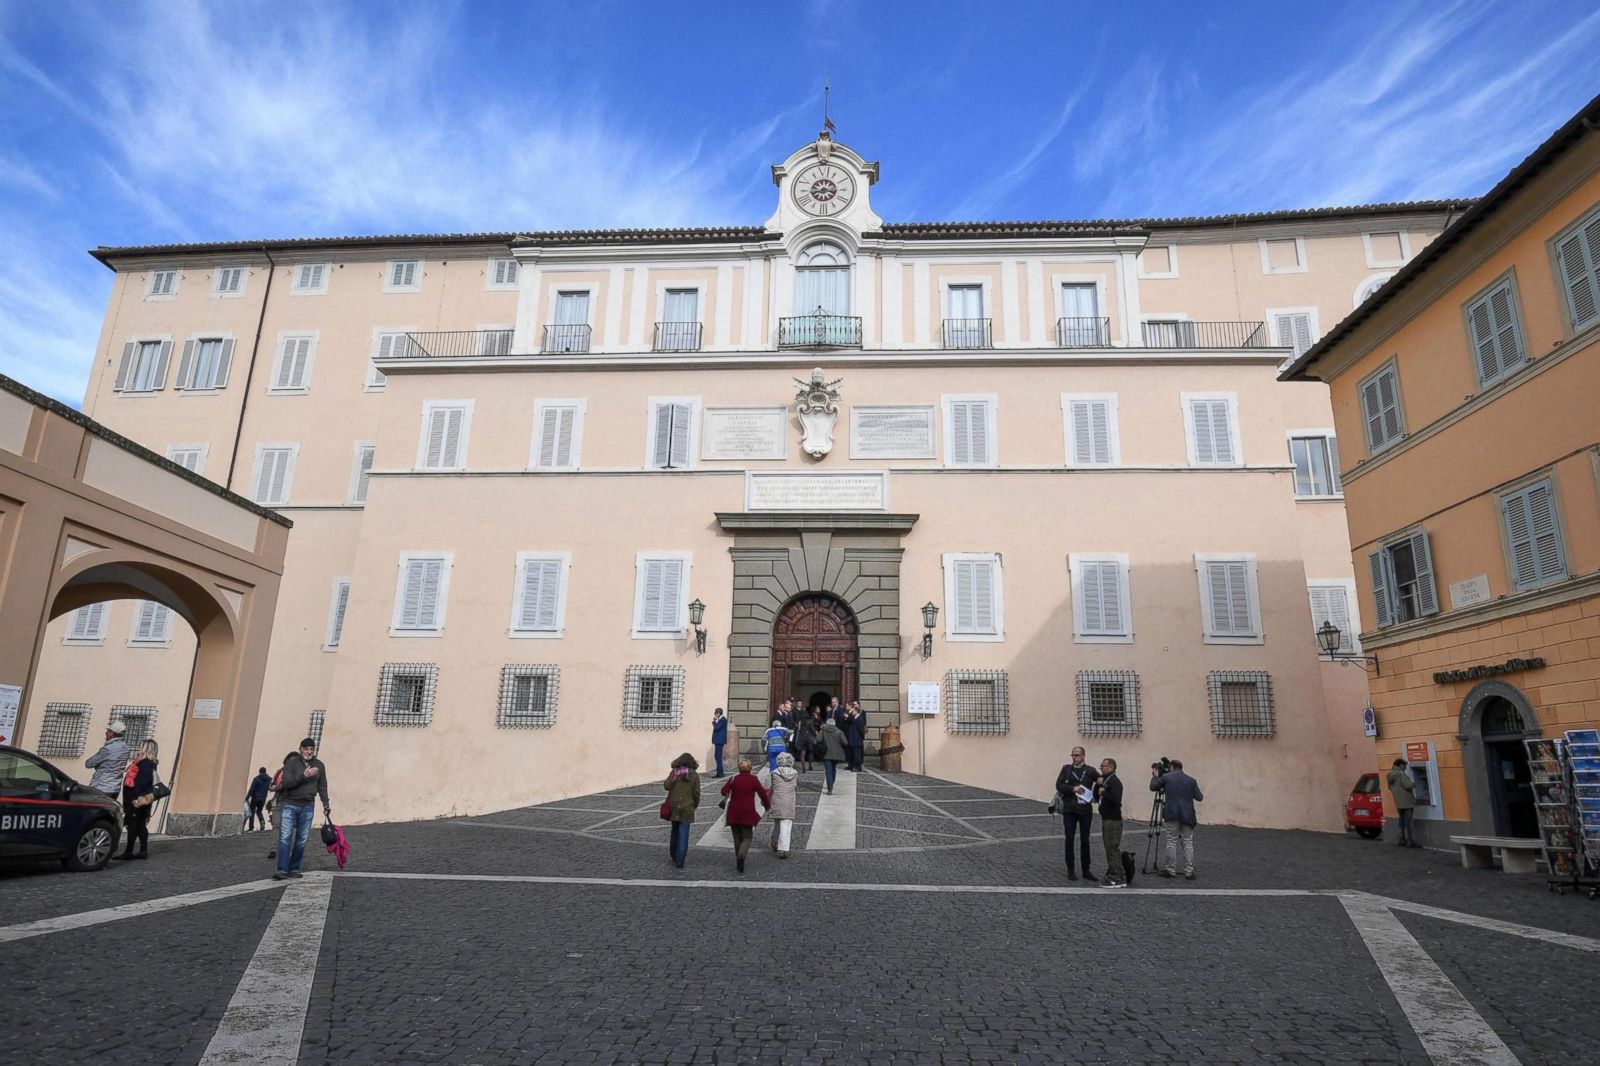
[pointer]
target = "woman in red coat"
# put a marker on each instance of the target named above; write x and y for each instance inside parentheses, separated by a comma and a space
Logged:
(741, 791)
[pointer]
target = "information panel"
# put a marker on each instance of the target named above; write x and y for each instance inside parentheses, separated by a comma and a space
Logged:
(922, 697)
(743, 432)
(891, 432)
(777, 491)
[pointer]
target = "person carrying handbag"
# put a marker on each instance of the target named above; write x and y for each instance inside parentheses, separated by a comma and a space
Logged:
(683, 796)
(139, 795)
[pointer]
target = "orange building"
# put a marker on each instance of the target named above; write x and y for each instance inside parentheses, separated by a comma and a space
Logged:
(1466, 397)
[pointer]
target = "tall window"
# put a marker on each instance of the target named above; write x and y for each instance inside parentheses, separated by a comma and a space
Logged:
(361, 470)
(191, 457)
(822, 281)
(292, 370)
(1402, 580)
(273, 477)
(163, 285)
(227, 281)
(337, 604)
(310, 279)
(558, 433)
(88, 625)
(679, 329)
(502, 274)
(969, 430)
(973, 596)
(1330, 602)
(1091, 427)
(446, 427)
(661, 583)
(403, 276)
(1294, 331)
(1212, 428)
(420, 595)
(1229, 599)
(1380, 407)
(1578, 253)
(1496, 335)
(1080, 324)
(1533, 536)
(539, 605)
(1101, 609)
(1316, 465)
(205, 363)
(965, 326)
(570, 331)
(152, 624)
(672, 424)
(144, 366)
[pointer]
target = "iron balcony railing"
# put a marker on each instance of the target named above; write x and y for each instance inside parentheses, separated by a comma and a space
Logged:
(1083, 332)
(459, 343)
(1184, 334)
(819, 330)
(677, 337)
(566, 338)
(968, 333)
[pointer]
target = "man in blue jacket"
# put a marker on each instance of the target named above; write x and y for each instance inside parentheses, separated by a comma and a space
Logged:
(719, 736)
(1177, 815)
(777, 742)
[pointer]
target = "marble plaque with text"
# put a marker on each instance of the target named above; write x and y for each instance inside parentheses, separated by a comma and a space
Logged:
(891, 432)
(743, 433)
(816, 492)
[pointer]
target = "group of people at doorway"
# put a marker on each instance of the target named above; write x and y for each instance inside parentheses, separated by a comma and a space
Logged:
(739, 796)
(832, 735)
(1079, 787)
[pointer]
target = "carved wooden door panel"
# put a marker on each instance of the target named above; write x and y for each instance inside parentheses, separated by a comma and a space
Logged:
(815, 630)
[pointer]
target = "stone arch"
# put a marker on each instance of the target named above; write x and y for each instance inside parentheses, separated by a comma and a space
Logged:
(816, 630)
(1474, 759)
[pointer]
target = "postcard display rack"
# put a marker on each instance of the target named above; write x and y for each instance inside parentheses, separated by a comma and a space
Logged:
(1566, 792)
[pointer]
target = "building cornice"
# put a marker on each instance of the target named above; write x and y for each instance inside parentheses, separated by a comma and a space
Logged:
(808, 521)
(1509, 606)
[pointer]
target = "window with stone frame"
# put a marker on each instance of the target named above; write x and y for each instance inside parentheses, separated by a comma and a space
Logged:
(1241, 703)
(1108, 703)
(65, 726)
(977, 702)
(528, 695)
(406, 693)
(652, 697)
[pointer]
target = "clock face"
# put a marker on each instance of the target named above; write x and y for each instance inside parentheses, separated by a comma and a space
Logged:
(823, 189)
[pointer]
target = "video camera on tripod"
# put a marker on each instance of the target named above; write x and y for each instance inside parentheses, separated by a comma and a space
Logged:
(1160, 767)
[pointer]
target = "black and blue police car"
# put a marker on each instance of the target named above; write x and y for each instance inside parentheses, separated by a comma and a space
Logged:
(44, 814)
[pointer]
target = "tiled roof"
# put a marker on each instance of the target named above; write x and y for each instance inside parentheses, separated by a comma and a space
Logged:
(731, 234)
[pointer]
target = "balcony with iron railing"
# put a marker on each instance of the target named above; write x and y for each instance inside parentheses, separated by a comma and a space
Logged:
(1181, 333)
(1077, 332)
(968, 333)
(819, 330)
(677, 337)
(455, 344)
(566, 338)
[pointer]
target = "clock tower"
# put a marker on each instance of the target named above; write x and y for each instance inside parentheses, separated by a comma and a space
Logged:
(824, 181)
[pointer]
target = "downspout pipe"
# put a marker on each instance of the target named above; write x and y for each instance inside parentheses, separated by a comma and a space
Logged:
(250, 371)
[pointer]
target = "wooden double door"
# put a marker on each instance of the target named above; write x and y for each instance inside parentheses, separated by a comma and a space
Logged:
(815, 651)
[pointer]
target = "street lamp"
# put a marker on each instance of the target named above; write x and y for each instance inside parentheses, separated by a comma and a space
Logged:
(930, 617)
(1328, 639)
(697, 614)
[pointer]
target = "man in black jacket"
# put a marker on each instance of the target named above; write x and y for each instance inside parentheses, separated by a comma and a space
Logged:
(1076, 785)
(1110, 792)
(304, 781)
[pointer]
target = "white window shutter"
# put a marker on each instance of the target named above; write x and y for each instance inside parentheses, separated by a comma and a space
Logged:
(681, 418)
(1091, 593)
(341, 600)
(1330, 603)
(1333, 465)
(974, 583)
(86, 622)
(1578, 272)
(1422, 557)
(1091, 432)
(960, 434)
(419, 608)
(541, 589)
(1110, 574)
(1389, 399)
(278, 487)
(364, 467)
(224, 364)
(186, 366)
(1205, 448)
(556, 427)
(1228, 585)
(444, 438)
(129, 355)
(663, 588)
(159, 380)
(661, 437)
(1378, 568)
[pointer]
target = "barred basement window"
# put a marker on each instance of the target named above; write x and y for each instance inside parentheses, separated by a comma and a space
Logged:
(314, 727)
(1241, 703)
(652, 697)
(405, 693)
(65, 725)
(976, 701)
(141, 723)
(1108, 703)
(528, 695)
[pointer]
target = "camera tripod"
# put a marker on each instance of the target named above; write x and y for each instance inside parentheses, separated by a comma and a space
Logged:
(1152, 834)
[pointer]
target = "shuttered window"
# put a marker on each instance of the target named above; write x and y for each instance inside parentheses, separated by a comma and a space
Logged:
(143, 367)
(445, 430)
(228, 281)
(969, 430)
(402, 275)
(1091, 425)
(973, 596)
(420, 594)
(1316, 465)
(1402, 580)
(1100, 601)
(1497, 346)
(88, 625)
(273, 478)
(1293, 329)
(359, 479)
(1380, 407)
(1331, 603)
(661, 582)
(336, 608)
(291, 370)
(1533, 536)
(152, 624)
(310, 279)
(191, 457)
(1578, 253)
(557, 434)
(163, 285)
(204, 363)
(502, 273)
(539, 605)
(1213, 434)
(1228, 598)
(672, 433)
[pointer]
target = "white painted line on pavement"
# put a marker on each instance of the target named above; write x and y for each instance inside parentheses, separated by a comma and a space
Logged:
(267, 1015)
(929, 803)
(834, 826)
(1452, 1032)
(128, 910)
(1495, 925)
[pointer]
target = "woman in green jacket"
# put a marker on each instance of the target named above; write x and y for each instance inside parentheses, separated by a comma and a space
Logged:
(683, 796)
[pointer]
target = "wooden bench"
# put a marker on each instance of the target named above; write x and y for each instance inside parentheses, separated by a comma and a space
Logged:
(1518, 855)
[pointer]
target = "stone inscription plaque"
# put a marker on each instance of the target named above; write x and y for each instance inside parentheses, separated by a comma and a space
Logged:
(816, 492)
(891, 432)
(1471, 591)
(743, 433)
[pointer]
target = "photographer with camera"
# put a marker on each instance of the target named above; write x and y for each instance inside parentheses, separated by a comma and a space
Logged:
(1076, 784)
(1180, 793)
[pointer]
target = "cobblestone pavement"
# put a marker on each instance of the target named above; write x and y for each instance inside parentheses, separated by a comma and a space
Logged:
(562, 933)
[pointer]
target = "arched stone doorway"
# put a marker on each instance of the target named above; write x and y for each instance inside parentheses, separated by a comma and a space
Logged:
(1496, 717)
(815, 652)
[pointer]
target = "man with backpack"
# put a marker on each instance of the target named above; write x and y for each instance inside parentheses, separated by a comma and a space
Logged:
(304, 781)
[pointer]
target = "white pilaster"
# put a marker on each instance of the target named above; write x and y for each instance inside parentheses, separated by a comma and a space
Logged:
(1131, 332)
(754, 277)
(865, 296)
(612, 338)
(919, 303)
(638, 327)
(724, 321)
(526, 337)
(893, 311)
(1038, 318)
(1010, 306)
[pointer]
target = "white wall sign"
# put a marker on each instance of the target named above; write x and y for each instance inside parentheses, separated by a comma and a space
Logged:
(208, 708)
(922, 697)
(777, 491)
(10, 705)
(892, 432)
(1466, 593)
(743, 432)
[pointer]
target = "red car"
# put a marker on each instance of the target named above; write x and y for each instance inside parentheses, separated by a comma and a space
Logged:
(1363, 811)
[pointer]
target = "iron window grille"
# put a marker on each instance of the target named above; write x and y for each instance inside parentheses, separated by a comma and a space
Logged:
(406, 693)
(977, 702)
(65, 726)
(1108, 703)
(528, 696)
(1241, 703)
(652, 697)
(141, 723)
(314, 727)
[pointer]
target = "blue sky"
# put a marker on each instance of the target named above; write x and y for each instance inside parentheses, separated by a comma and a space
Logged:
(148, 123)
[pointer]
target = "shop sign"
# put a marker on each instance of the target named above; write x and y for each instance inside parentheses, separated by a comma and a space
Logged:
(1473, 673)
(1416, 751)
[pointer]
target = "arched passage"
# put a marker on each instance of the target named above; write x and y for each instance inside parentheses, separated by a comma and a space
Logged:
(815, 650)
(1495, 719)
